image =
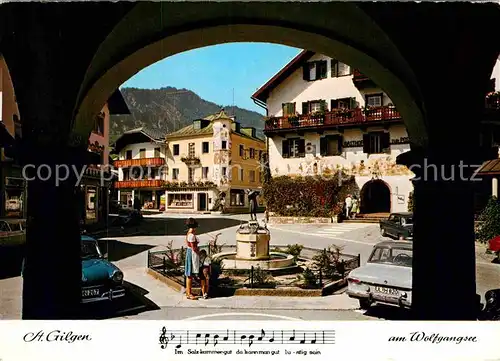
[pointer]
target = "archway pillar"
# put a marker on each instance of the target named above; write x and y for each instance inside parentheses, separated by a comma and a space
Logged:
(52, 268)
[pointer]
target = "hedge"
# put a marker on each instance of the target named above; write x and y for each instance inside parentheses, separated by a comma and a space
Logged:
(309, 196)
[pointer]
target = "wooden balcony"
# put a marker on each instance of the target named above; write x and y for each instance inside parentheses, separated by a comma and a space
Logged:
(361, 81)
(144, 183)
(141, 162)
(335, 118)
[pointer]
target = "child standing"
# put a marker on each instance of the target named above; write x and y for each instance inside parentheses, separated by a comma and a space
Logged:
(205, 273)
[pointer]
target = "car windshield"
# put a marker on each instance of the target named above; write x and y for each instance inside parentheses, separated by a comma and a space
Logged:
(393, 256)
(90, 250)
(407, 221)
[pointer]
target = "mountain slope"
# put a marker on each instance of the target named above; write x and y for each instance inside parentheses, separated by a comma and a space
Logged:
(170, 109)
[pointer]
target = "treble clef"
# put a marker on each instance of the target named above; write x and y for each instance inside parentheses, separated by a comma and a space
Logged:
(163, 338)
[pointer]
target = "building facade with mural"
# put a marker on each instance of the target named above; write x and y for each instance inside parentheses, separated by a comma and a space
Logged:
(325, 117)
(212, 159)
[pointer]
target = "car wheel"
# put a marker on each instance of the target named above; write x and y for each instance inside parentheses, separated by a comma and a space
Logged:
(364, 304)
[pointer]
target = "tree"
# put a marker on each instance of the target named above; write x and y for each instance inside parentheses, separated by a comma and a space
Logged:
(490, 221)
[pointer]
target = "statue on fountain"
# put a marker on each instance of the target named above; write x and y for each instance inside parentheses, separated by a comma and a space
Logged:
(252, 199)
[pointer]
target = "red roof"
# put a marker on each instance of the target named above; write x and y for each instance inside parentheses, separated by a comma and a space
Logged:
(263, 92)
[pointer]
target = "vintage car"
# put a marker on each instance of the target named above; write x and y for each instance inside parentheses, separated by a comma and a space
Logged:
(12, 232)
(386, 278)
(101, 280)
(398, 225)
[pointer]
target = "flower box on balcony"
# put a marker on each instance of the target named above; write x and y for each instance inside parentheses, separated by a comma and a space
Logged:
(190, 160)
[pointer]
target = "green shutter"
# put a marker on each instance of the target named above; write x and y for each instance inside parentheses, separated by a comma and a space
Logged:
(323, 146)
(305, 108)
(285, 148)
(366, 143)
(352, 103)
(334, 68)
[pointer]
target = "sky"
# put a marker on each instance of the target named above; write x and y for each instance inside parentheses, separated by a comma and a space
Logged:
(213, 72)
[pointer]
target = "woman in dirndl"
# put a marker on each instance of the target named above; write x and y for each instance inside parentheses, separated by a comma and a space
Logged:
(192, 265)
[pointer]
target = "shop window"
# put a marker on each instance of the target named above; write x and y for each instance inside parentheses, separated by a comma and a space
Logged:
(14, 206)
(180, 200)
(237, 197)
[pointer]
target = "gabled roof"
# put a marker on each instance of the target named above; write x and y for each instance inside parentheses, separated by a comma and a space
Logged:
(219, 116)
(191, 131)
(139, 135)
(490, 167)
(263, 92)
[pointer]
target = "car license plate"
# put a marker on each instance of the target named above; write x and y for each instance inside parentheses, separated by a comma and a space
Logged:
(387, 291)
(90, 292)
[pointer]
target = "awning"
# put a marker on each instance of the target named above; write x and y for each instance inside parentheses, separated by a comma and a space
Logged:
(490, 167)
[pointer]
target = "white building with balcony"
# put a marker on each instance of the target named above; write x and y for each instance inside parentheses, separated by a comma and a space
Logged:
(324, 116)
(142, 167)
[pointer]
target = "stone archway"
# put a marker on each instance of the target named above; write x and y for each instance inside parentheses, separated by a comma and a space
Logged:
(375, 197)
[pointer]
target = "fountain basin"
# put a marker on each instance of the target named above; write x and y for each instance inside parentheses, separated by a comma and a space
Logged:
(274, 262)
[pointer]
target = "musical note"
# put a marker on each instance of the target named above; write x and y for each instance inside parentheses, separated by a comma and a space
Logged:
(304, 339)
(249, 337)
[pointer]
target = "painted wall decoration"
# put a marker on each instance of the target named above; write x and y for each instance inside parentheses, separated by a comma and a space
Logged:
(373, 167)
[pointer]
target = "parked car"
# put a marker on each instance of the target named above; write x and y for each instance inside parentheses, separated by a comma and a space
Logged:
(398, 225)
(101, 280)
(12, 232)
(386, 278)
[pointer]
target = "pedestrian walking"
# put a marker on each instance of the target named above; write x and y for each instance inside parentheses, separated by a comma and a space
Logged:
(348, 206)
(355, 207)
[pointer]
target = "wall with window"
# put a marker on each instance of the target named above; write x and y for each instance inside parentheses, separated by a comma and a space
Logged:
(333, 81)
(143, 150)
(199, 147)
(288, 155)
(245, 157)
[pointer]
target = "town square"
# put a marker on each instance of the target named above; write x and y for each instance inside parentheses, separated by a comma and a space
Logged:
(178, 160)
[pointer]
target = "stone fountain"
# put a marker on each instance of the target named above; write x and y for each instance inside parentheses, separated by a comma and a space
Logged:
(252, 249)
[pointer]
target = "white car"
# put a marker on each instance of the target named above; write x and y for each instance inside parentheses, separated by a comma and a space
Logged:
(386, 278)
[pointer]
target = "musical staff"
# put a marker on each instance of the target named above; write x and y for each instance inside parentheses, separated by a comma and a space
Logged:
(248, 338)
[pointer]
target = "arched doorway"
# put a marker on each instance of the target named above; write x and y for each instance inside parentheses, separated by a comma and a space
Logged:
(375, 197)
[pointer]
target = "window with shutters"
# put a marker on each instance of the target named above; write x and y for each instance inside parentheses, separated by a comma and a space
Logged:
(331, 145)
(242, 174)
(175, 173)
(315, 70)
(294, 148)
(252, 153)
(251, 175)
(374, 100)
(343, 103)
(288, 109)
(376, 142)
(242, 150)
(339, 69)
